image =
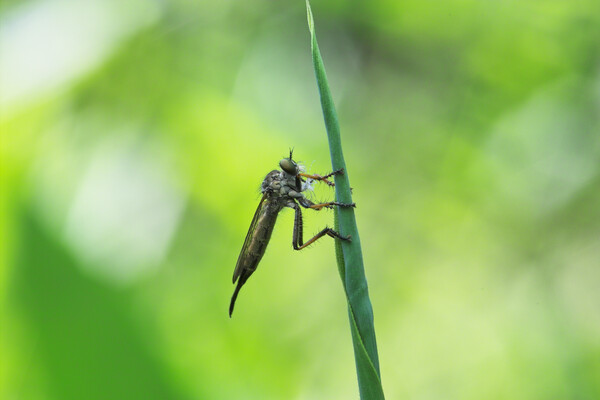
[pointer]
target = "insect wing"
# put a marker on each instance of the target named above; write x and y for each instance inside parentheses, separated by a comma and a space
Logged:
(238, 267)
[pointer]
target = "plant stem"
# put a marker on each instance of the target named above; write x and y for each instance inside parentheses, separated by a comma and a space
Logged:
(349, 254)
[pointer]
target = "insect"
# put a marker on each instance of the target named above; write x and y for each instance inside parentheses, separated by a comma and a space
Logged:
(280, 188)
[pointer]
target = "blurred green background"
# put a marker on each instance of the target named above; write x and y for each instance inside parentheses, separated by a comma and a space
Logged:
(135, 134)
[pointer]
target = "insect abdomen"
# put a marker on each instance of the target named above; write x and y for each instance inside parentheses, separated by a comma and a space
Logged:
(260, 239)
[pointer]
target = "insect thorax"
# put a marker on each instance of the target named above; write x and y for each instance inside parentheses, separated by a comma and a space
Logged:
(281, 184)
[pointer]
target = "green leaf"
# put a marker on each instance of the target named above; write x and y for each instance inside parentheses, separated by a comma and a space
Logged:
(348, 254)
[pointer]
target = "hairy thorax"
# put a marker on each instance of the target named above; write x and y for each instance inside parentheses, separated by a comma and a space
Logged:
(283, 185)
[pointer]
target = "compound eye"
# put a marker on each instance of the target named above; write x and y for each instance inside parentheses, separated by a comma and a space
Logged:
(289, 166)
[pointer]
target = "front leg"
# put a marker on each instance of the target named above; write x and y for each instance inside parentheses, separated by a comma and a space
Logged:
(318, 177)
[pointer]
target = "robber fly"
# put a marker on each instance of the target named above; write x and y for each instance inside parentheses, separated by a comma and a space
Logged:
(280, 188)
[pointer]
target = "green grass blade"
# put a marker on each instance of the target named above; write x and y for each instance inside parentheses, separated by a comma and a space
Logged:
(349, 254)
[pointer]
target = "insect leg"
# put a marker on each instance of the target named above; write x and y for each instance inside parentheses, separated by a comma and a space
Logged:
(330, 205)
(306, 203)
(323, 178)
(298, 241)
(298, 227)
